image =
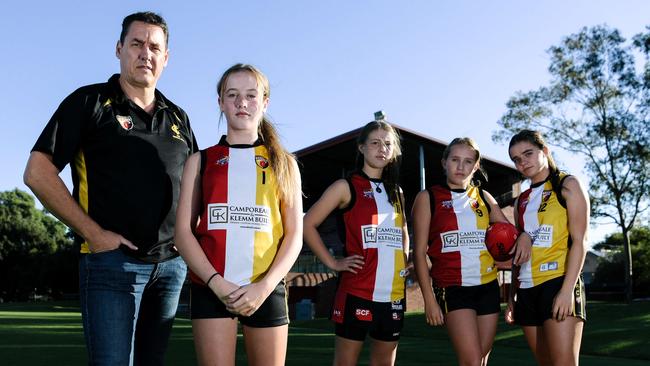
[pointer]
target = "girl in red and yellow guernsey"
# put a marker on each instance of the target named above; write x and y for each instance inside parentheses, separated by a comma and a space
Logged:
(239, 228)
(449, 223)
(370, 296)
(550, 296)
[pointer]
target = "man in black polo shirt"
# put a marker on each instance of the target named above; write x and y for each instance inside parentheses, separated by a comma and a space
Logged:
(126, 144)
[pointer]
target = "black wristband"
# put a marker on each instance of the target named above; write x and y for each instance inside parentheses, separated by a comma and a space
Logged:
(207, 283)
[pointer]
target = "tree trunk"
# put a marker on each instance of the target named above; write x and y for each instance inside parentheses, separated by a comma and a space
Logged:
(629, 285)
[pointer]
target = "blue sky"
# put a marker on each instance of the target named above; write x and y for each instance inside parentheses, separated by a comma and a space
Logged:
(442, 68)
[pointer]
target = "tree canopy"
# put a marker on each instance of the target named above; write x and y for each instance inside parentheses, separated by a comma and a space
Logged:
(610, 268)
(24, 229)
(36, 252)
(596, 105)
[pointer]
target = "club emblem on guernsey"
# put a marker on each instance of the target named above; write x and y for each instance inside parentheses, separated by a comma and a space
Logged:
(474, 204)
(447, 204)
(125, 121)
(222, 161)
(546, 195)
(261, 161)
(368, 193)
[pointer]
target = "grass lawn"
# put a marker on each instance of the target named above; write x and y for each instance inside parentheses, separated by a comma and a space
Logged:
(51, 334)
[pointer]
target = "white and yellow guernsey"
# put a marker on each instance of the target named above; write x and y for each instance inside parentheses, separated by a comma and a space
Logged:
(543, 216)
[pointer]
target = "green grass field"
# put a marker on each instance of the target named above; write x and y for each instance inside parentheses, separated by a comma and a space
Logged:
(51, 334)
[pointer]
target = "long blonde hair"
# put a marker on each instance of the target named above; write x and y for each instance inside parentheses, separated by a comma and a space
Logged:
(479, 175)
(282, 161)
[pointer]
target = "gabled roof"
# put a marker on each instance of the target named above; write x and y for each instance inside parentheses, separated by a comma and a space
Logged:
(331, 159)
(404, 132)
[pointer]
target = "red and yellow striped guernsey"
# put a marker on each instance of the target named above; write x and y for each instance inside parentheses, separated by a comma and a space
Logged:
(543, 217)
(373, 229)
(240, 227)
(457, 238)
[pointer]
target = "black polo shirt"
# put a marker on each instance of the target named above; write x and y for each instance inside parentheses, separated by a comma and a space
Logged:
(126, 164)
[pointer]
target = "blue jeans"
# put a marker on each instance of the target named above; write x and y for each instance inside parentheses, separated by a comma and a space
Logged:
(128, 307)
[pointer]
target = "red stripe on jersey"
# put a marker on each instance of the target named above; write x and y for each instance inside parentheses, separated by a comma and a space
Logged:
(522, 202)
(364, 212)
(444, 266)
(214, 184)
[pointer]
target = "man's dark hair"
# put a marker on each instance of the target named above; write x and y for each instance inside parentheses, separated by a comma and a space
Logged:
(146, 17)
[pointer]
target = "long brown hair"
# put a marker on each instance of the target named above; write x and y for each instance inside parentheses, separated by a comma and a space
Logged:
(282, 161)
(536, 138)
(390, 173)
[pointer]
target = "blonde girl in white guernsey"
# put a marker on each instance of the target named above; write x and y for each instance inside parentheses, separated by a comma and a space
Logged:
(239, 228)
(460, 289)
(554, 212)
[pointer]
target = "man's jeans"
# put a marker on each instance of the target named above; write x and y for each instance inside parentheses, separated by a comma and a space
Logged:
(128, 307)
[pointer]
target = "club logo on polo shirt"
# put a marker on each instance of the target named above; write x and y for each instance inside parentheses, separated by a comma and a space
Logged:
(176, 132)
(125, 122)
(261, 161)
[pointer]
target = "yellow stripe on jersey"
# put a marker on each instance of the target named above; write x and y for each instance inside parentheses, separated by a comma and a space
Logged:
(265, 246)
(399, 218)
(487, 266)
(398, 280)
(473, 219)
(82, 174)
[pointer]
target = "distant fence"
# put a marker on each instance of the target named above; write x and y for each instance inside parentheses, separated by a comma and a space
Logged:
(309, 263)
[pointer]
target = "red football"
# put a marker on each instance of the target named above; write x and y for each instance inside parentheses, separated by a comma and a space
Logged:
(500, 237)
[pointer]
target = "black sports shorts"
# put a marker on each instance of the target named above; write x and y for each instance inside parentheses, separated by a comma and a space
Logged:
(355, 317)
(484, 299)
(535, 305)
(204, 304)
